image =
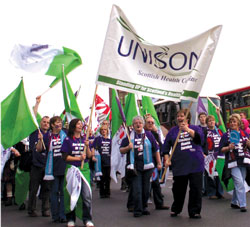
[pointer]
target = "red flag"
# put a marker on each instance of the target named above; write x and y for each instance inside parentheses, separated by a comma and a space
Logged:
(102, 109)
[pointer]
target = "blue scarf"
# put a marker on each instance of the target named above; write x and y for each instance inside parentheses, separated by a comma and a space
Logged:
(98, 166)
(49, 162)
(147, 152)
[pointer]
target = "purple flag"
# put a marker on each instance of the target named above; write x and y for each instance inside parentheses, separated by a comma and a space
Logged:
(121, 111)
(200, 106)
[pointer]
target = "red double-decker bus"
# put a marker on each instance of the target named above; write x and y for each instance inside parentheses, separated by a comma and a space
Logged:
(235, 101)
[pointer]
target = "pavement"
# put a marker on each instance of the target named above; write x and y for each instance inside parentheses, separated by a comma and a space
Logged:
(112, 212)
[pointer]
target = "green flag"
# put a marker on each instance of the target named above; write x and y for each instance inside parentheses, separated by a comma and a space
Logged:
(17, 121)
(46, 59)
(148, 108)
(212, 111)
(220, 162)
(131, 108)
(70, 103)
(116, 116)
(69, 58)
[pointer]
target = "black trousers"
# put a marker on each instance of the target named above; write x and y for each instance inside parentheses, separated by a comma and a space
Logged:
(195, 193)
(105, 181)
(36, 179)
(157, 195)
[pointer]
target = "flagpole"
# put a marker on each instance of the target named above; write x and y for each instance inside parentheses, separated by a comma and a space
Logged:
(175, 144)
(89, 123)
(212, 102)
(46, 91)
(64, 81)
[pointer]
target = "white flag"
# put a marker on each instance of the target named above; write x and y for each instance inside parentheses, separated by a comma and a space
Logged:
(174, 72)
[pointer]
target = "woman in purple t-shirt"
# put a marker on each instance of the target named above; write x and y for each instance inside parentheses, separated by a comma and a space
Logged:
(237, 158)
(102, 144)
(187, 164)
(72, 150)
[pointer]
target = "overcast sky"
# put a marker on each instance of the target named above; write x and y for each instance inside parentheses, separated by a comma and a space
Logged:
(81, 25)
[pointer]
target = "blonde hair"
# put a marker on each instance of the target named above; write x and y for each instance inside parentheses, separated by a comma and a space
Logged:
(210, 117)
(236, 117)
(105, 127)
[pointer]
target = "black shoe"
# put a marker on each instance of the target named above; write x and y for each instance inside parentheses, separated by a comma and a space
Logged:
(63, 220)
(8, 202)
(136, 215)
(130, 209)
(45, 214)
(33, 214)
(235, 206)
(243, 209)
(145, 212)
(56, 220)
(22, 207)
(173, 214)
(162, 207)
(195, 216)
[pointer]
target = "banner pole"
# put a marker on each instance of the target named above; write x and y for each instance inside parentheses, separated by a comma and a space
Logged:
(89, 123)
(175, 144)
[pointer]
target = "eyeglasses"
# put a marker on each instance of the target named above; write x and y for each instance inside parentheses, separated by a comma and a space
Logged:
(150, 122)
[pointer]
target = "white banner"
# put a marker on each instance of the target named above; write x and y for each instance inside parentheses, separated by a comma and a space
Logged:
(118, 160)
(172, 72)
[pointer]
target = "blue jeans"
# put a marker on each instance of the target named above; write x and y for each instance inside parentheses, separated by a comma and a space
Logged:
(57, 199)
(140, 189)
(239, 194)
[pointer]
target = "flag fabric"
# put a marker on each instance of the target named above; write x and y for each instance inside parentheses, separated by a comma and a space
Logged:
(47, 59)
(171, 72)
(17, 121)
(62, 116)
(22, 180)
(148, 107)
(212, 111)
(131, 109)
(200, 107)
(76, 179)
(220, 162)
(118, 160)
(71, 107)
(102, 109)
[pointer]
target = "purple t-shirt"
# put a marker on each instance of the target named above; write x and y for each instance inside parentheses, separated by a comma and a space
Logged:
(103, 145)
(213, 140)
(58, 163)
(241, 150)
(188, 155)
(74, 147)
(139, 162)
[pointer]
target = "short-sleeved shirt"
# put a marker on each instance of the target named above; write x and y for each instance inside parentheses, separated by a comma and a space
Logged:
(103, 145)
(74, 147)
(241, 151)
(59, 164)
(138, 151)
(213, 137)
(188, 155)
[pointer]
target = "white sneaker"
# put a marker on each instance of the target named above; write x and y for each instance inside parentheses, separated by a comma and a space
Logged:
(150, 201)
(71, 224)
(89, 224)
